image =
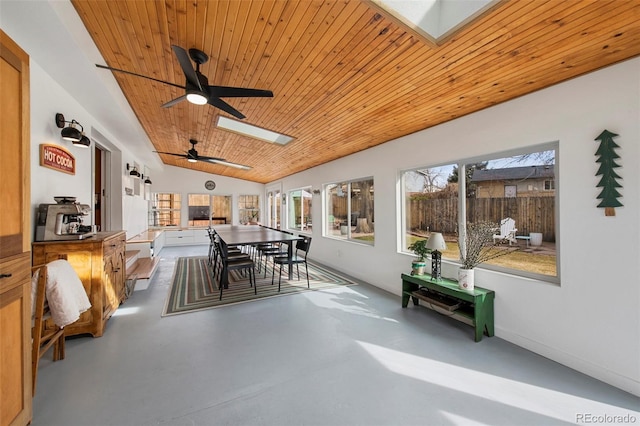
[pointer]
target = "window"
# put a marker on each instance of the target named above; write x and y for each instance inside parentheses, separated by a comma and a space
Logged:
(273, 208)
(349, 210)
(207, 210)
(249, 209)
(165, 210)
(431, 205)
(300, 209)
(549, 185)
(520, 186)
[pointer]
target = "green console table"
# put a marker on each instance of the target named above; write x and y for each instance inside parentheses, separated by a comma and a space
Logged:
(444, 296)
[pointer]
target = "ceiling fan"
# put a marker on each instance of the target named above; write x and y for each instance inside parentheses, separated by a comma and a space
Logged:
(192, 157)
(197, 88)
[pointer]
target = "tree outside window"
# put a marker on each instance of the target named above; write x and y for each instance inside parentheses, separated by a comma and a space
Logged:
(520, 186)
(349, 210)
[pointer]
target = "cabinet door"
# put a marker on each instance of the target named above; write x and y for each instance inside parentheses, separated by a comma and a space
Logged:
(15, 340)
(111, 296)
(119, 274)
(15, 236)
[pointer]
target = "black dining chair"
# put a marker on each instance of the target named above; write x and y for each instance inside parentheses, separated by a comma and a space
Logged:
(227, 264)
(233, 253)
(298, 257)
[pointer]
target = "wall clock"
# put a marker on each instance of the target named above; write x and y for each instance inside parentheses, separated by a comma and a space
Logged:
(210, 185)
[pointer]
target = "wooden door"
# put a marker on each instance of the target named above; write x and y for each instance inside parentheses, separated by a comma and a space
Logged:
(15, 236)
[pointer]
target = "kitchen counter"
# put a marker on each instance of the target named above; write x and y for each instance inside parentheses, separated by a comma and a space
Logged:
(98, 237)
(147, 236)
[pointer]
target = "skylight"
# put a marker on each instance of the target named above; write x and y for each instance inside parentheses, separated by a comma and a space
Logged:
(435, 19)
(253, 131)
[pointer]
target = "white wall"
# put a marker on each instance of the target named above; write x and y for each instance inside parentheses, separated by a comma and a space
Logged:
(47, 99)
(185, 181)
(591, 322)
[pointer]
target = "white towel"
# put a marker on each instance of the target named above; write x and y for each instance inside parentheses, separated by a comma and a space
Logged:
(65, 293)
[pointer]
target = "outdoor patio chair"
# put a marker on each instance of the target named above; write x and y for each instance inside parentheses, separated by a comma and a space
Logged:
(507, 232)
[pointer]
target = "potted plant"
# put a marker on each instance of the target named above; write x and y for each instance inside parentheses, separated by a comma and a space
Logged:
(478, 248)
(419, 247)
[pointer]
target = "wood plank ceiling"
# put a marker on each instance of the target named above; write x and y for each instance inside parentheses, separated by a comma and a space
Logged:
(345, 75)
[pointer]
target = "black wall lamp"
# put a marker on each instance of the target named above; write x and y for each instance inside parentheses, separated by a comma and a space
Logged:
(72, 132)
(134, 171)
(147, 181)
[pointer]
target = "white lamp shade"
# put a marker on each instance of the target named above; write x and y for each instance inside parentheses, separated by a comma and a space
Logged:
(436, 242)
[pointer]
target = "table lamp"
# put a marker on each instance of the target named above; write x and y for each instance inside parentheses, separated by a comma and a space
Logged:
(436, 243)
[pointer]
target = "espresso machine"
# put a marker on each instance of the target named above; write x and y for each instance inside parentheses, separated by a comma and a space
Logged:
(62, 221)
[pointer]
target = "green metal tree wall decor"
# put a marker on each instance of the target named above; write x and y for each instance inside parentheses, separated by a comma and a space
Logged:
(608, 182)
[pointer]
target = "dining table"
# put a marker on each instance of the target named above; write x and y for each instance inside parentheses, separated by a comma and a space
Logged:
(239, 235)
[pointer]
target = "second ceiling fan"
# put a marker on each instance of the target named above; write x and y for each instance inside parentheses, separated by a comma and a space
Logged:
(192, 157)
(197, 88)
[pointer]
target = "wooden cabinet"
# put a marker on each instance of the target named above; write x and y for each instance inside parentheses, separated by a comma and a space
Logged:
(100, 264)
(15, 236)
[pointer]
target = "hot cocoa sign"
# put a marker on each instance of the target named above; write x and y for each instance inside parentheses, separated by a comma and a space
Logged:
(57, 158)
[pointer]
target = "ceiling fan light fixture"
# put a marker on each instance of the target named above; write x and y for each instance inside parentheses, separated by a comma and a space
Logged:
(197, 97)
(192, 160)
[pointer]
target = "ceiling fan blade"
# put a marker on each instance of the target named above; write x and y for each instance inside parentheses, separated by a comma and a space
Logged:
(210, 159)
(172, 153)
(174, 101)
(139, 75)
(186, 65)
(238, 92)
(219, 103)
(227, 163)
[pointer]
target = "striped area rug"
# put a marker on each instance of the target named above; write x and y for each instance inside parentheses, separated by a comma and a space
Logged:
(193, 287)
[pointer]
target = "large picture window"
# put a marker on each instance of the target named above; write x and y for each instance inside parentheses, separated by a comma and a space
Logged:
(520, 186)
(207, 210)
(165, 209)
(249, 209)
(349, 212)
(300, 209)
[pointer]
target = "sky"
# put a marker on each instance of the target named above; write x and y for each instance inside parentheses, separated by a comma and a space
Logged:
(440, 174)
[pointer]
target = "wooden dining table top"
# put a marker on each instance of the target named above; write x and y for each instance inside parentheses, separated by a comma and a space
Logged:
(252, 234)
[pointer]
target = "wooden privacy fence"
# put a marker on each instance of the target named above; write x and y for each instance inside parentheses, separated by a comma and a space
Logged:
(532, 214)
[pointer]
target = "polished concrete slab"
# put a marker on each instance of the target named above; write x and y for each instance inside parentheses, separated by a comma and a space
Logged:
(345, 356)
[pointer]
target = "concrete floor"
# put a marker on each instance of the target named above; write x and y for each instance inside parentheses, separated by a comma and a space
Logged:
(347, 356)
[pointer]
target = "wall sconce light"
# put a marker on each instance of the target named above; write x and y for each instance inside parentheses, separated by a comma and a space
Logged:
(316, 192)
(71, 132)
(84, 142)
(147, 181)
(134, 171)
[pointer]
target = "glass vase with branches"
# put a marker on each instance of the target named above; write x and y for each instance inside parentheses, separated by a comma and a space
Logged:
(479, 246)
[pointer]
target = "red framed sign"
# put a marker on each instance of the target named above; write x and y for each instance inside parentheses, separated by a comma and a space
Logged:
(57, 158)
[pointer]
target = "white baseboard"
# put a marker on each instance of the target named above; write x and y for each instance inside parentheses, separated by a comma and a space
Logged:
(596, 371)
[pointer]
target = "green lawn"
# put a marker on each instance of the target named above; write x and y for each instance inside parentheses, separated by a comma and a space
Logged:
(531, 262)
